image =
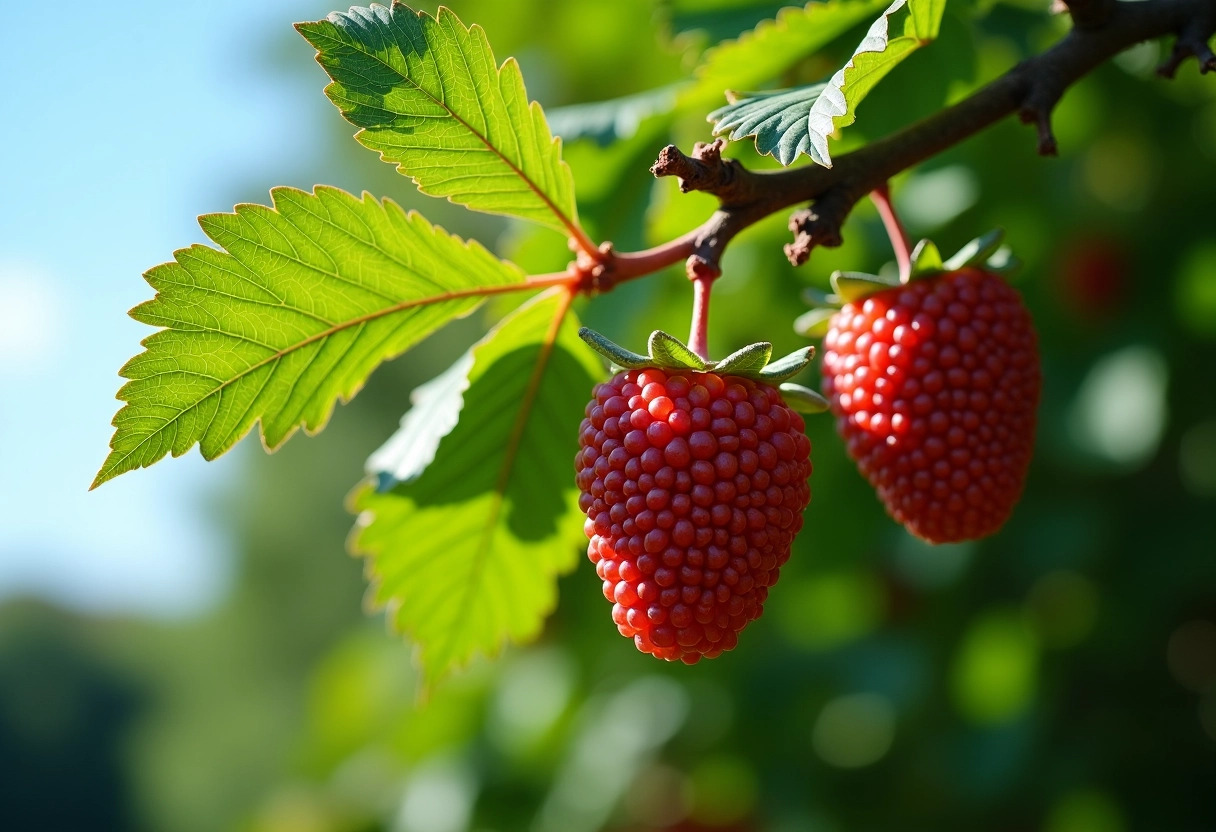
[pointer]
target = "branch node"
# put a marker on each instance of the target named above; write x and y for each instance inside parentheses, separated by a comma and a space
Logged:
(698, 267)
(1039, 114)
(705, 170)
(814, 226)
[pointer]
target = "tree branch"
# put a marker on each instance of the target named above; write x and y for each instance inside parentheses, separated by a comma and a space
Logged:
(1102, 29)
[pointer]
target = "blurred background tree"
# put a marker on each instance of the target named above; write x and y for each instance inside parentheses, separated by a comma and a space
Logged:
(1060, 676)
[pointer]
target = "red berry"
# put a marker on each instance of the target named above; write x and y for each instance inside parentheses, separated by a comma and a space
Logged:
(934, 386)
(694, 486)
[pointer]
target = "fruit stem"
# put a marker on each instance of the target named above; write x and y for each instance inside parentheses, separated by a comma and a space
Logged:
(881, 197)
(698, 340)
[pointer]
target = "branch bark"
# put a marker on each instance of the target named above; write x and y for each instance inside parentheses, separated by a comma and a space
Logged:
(1101, 30)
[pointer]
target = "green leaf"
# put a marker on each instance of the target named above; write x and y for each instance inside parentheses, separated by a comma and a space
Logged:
(305, 300)
(853, 286)
(814, 324)
(926, 260)
(669, 351)
(465, 556)
(877, 55)
(777, 120)
(976, 251)
(427, 94)
(927, 18)
(762, 54)
(748, 360)
(786, 123)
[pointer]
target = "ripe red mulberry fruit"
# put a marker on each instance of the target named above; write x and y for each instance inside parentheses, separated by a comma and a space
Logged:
(694, 484)
(934, 385)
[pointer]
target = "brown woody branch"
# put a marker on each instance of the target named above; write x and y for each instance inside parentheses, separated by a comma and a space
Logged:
(1101, 30)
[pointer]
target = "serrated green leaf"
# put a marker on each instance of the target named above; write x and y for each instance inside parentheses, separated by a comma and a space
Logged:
(803, 399)
(613, 351)
(787, 367)
(853, 286)
(926, 260)
(777, 120)
(814, 324)
(427, 94)
(786, 123)
(749, 359)
(305, 300)
(976, 251)
(669, 351)
(465, 557)
(876, 56)
(616, 119)
(762, 54)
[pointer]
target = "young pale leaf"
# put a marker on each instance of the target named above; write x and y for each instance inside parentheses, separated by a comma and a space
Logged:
(786, 123)
(758, 56)
(465, 556)
(305, 300)
(427, 94)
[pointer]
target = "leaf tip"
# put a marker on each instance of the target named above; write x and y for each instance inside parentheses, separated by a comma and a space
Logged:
(106, 473)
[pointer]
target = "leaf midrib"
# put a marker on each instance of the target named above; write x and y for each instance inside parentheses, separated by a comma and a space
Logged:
(557, 212)
(458, 294)
(505, 470)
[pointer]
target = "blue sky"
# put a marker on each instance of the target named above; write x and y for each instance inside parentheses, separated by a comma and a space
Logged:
(121, 122)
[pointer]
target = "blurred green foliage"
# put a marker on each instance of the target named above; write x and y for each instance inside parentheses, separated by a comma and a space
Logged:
(1059, 676)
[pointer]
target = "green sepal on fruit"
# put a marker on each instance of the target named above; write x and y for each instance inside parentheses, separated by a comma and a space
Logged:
(666, 352)
(984, 252)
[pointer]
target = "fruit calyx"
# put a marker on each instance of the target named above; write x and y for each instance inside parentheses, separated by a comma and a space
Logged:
(666, 352)
(984, 252)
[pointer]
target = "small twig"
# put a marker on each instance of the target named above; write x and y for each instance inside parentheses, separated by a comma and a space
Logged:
(881, 197)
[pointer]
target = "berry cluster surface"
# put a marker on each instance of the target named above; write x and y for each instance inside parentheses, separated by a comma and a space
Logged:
(934, 386)
(694, 486)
